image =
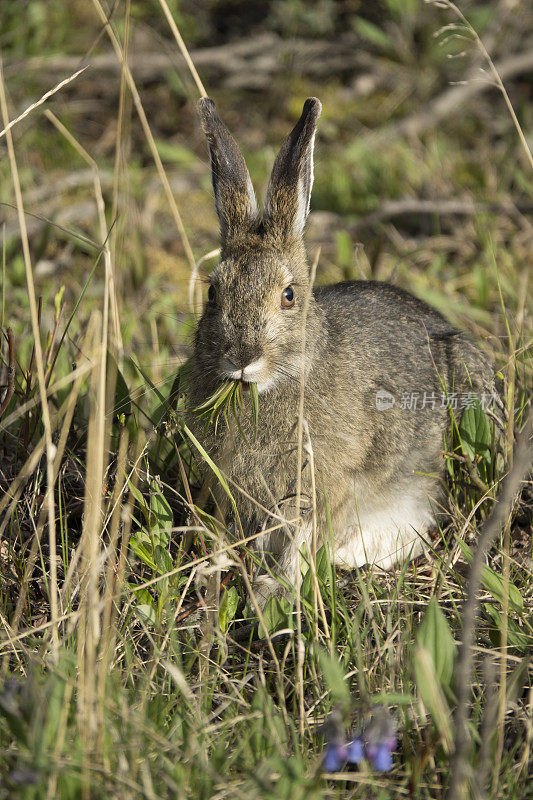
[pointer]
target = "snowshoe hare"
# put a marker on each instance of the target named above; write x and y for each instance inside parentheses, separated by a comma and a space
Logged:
(378, 368)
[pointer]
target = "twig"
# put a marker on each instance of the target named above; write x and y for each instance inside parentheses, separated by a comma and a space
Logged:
(495, 71)
(50, 449)
(413, 205)
(450, 100)
(147, 132)
(299, 467)
(10, 372)
(110, 296)
(523, 458)
(183, 48)
(42, 100)
(249, 63)
(198, 603)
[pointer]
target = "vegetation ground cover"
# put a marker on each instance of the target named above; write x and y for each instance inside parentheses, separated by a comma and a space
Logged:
(129, 662)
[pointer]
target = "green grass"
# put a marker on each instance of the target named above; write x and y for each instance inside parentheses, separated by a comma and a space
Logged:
(151, 683)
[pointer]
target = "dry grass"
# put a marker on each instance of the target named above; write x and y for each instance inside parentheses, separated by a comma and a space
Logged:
(128, 656)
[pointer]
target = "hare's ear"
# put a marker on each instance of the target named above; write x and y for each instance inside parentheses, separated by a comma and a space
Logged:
(289, 190)
(234, 195)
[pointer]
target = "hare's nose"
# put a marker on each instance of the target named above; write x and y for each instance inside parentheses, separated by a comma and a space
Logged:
(241, 357)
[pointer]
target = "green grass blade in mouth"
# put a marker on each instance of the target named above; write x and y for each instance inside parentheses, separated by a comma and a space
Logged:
(228, 398)
(254, 395)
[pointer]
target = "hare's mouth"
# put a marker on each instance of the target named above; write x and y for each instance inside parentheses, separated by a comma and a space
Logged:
(256, 372)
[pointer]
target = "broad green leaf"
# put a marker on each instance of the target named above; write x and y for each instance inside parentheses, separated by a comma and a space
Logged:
(435, 637)
(142, 596)
(141, 500)
(122, 403)
(517, 680)
(163, 560)
(146, 613)
(429, 687)
(152, 386)
(141, 551)
(474, 430)
(517, 637)
(275, 615)
(58, 299)
(163, 590)
(228, 608)
(169, 404)
(334, 677)
(121, 400)
(493, 583)
(161, 517)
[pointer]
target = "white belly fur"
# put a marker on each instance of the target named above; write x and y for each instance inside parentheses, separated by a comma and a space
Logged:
(388, 532)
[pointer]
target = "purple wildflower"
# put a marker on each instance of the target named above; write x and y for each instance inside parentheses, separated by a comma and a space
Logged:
(380, 755)
(336, 751)
(380, 739)
(355, 751)
(376, 741)
(334, 757)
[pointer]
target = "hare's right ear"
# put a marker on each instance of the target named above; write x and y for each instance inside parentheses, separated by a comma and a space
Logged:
(234, 195)
(289, 190)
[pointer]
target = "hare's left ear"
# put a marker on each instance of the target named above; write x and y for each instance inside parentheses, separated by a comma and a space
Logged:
(234, 195)
(289, 190)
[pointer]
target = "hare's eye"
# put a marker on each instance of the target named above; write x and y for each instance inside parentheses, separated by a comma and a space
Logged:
(211, 294)
(287, 297)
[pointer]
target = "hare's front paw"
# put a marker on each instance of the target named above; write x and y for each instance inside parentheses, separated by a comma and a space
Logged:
(266, 586)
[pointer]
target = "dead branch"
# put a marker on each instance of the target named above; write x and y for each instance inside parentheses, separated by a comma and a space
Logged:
(250, 63)
(413, 205)
(253, 63)
(456, 96)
